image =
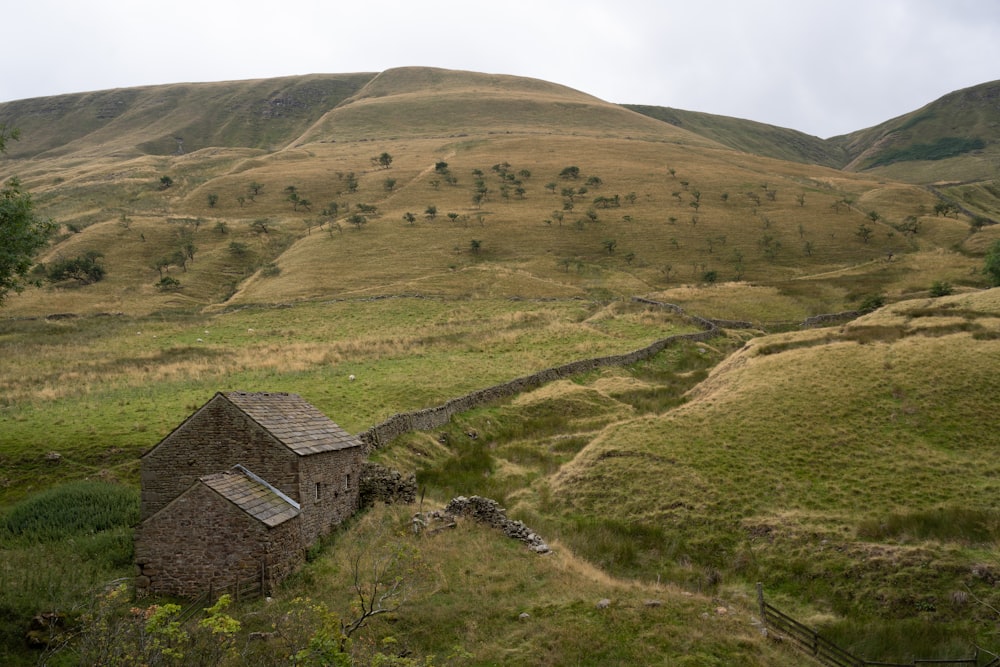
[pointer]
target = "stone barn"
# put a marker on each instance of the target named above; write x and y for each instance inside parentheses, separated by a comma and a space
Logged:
(239, 491)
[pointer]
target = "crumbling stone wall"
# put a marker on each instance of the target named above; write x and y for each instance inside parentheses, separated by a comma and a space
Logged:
(830, 318)
(488, 511)
(382, 484)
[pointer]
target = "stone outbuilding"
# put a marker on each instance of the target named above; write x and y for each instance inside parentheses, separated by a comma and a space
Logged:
(238, 492)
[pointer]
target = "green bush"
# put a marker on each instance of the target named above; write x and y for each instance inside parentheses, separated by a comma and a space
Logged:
(941, 288)
(85, 269)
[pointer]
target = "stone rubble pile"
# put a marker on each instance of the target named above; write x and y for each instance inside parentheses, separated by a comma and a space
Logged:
(489, 512)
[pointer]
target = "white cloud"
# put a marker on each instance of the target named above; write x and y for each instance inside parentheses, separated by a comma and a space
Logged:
(822, 67)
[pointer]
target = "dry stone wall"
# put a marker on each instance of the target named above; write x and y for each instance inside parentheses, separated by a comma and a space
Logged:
(429, 418)
(382, 484)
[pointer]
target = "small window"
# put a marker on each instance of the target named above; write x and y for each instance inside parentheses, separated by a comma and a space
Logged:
(319, 490)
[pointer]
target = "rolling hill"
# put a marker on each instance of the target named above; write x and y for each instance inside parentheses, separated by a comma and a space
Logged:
(434, 232)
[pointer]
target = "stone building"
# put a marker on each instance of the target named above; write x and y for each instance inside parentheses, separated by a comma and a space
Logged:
(239, 491)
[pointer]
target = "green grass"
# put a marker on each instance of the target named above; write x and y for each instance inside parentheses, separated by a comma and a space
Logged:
(945, 147)
(58, 549)
(69, 511)
(850, 470)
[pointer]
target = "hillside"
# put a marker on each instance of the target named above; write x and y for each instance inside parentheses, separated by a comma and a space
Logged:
(385, 242)
(752, 137)
(649, 204)
(952, 144)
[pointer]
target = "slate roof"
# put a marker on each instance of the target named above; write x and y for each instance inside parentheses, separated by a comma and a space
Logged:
(293, 421)
(253, 495)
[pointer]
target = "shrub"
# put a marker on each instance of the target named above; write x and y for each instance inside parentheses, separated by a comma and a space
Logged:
(168, 284)
(871, 303)
(83, 268)
(941, 288)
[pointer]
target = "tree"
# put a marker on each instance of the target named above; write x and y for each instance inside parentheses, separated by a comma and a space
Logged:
(331, 210)
(165, 182)
(85, 269)
(941, 288)
(8, 133)
(384, 160)
(610, 245)
(351, 181)
(22, 232)
(357, 220)
(409, 217)
(475, 245)
(431, 212)
(570, 172)
(864, 233)
(213, 199)
(992, 266)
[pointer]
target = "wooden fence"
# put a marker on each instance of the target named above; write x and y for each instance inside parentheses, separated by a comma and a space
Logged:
(827, 653)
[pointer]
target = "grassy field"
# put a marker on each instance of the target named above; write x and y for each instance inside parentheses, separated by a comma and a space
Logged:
(850, 469)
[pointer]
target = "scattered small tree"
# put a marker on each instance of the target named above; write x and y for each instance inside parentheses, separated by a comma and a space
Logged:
(351, 182)
(570, 173)
(864, 233)
(384, 160)
(166, 182)
(358, 220)
(991, 267)
(941, 288)
(85, 269)
(213, 199)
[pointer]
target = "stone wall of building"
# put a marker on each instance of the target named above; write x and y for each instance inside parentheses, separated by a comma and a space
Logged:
(207, 543)
(338, 474)
(212, 440)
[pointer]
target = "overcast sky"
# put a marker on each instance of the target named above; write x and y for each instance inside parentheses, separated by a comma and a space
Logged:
(819, 66)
